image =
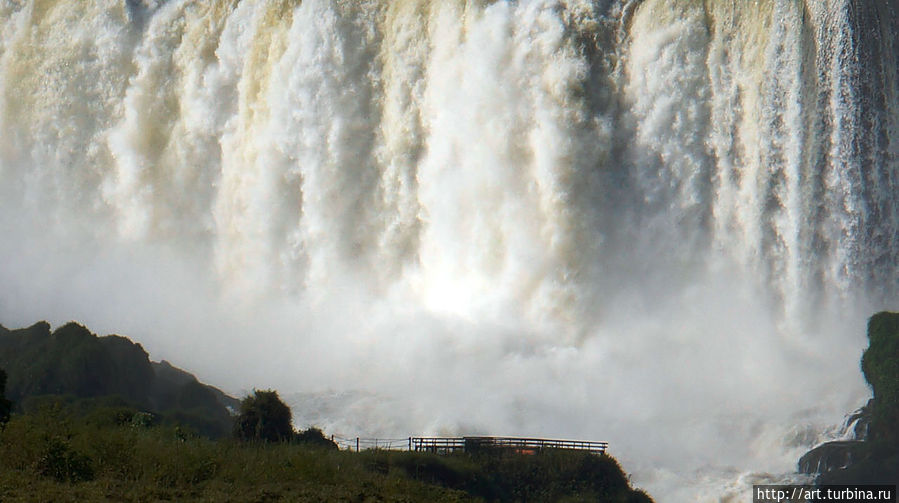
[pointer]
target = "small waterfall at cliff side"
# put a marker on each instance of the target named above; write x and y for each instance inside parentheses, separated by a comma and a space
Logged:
(659, 223)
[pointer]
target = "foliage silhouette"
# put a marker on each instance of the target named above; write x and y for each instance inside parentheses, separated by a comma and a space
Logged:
(314, 437)
(5, 405)
(73, 364)
(263, 416)
(875, 460)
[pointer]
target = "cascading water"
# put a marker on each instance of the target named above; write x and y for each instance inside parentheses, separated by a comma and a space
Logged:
(627, 220)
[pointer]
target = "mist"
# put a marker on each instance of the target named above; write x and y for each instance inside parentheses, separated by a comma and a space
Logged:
(660, 223)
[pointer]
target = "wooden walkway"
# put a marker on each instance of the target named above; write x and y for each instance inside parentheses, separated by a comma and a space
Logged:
(448, 445)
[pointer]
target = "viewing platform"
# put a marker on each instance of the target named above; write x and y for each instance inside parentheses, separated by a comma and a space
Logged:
(446, 445)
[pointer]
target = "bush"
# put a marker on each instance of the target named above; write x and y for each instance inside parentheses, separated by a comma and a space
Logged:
(5, 405)
(314, 437)
(143, 420)
(64, 464)
(263, 416)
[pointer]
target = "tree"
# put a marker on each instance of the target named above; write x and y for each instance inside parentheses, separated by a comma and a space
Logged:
(5, 405)
(263, 416)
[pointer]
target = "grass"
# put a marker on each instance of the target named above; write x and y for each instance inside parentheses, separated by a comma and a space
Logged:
(53, 456)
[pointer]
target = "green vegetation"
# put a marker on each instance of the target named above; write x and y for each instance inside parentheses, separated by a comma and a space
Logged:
(5, 405)
(75, 363)
(75, 435)
(263, 416)
(314, 437)
(57, 454)
(876, 459)
(880, 364)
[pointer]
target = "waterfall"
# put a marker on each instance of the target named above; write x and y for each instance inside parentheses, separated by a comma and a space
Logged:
(524, 176)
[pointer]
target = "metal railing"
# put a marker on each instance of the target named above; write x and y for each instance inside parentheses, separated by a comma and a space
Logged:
(525, 445)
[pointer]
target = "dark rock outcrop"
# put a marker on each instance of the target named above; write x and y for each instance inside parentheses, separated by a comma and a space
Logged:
(167, 377)
(71, 361)
(829, 457)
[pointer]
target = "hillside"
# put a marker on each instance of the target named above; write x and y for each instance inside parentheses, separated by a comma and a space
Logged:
(75, 364)
(81, 432)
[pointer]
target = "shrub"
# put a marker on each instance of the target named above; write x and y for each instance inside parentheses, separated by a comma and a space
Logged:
(142, 420)
(314, 437)
(64, 464)
(263, 416)
(5, 405)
